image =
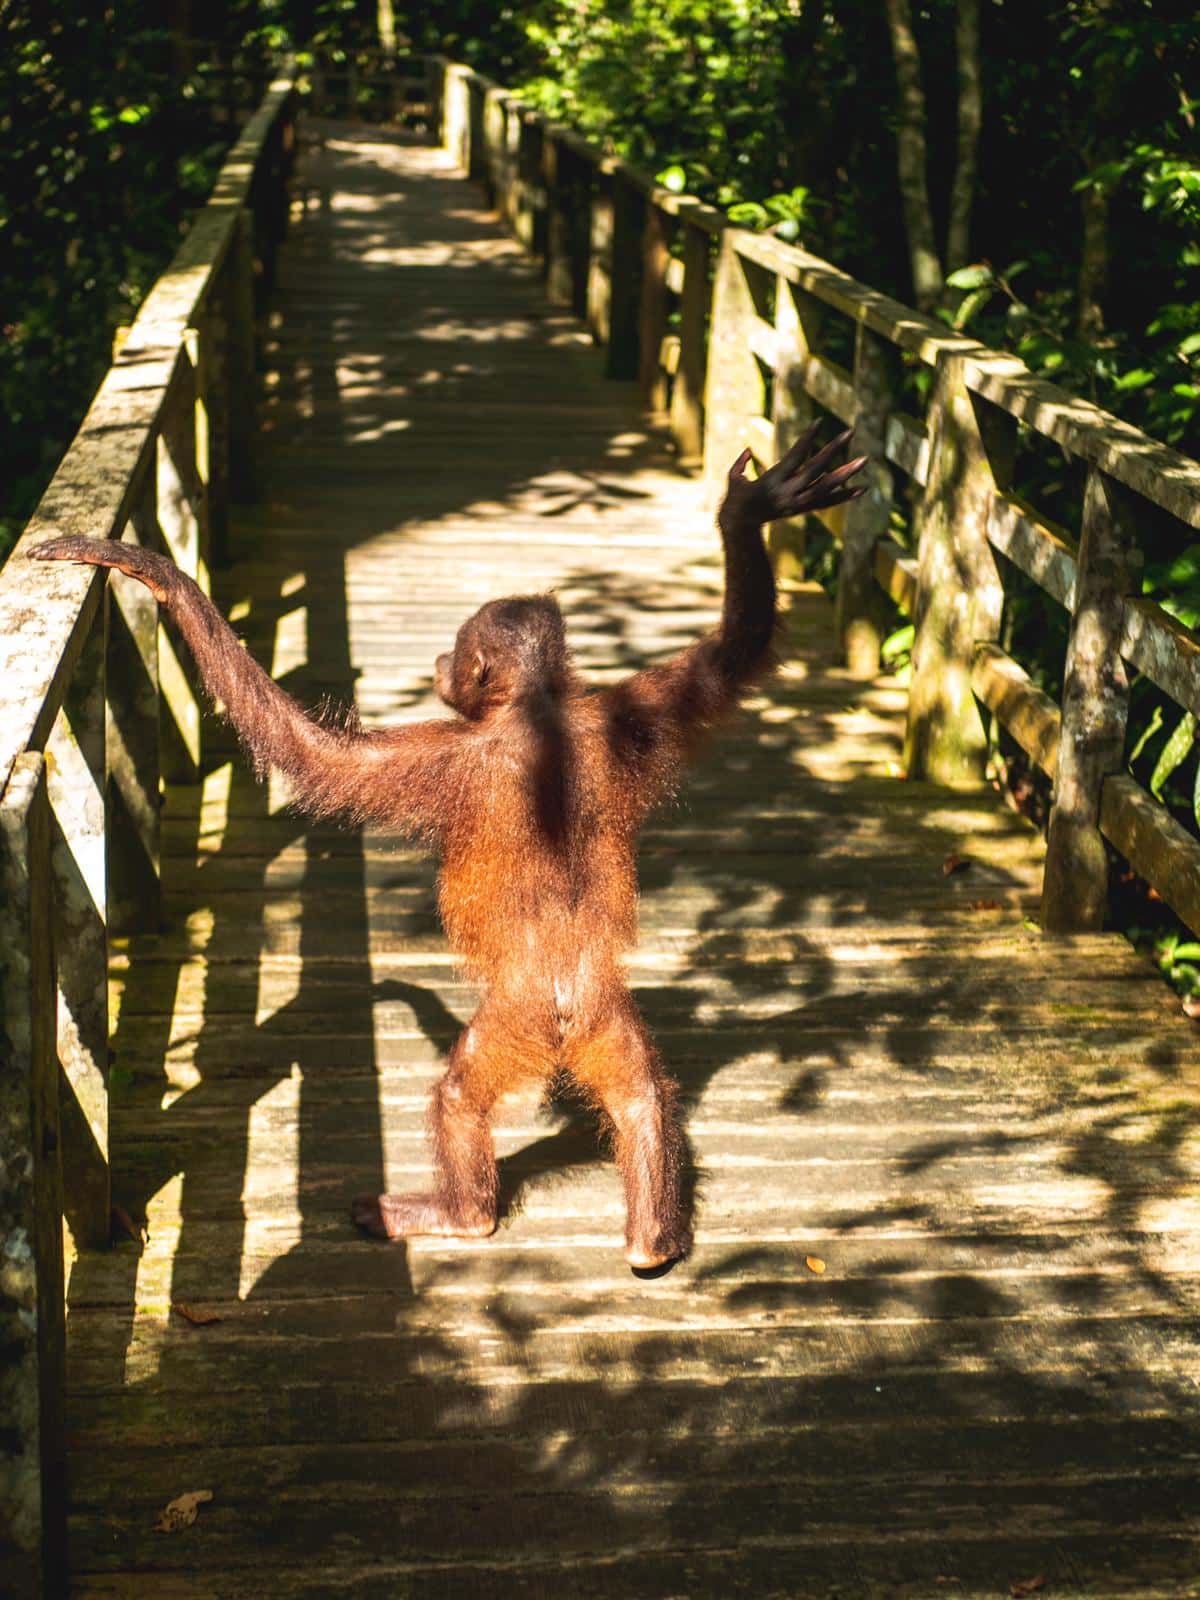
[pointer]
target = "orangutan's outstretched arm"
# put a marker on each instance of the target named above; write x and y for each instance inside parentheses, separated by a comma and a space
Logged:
(400, 776)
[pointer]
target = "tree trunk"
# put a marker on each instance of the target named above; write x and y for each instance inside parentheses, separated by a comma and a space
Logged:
(1093, 266)
(1107, 109)
(970, 116)
(927, 273)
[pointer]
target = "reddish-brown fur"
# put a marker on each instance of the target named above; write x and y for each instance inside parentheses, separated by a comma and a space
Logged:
(533, 795)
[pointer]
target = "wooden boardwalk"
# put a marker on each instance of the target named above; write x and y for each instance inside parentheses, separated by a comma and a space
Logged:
(989, 1141)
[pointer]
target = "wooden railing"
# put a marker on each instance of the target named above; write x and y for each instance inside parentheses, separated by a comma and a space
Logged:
(729, 335)
(97, 708)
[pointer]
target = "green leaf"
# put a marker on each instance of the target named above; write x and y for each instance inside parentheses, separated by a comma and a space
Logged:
(971, 277)
(673, 178)
(971, 303)
(1173, 753)
(1135, 378)
(1186, 952)
(1147, 734)
(898, 644)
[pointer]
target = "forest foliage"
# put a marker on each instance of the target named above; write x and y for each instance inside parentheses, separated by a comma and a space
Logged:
(1028, 170)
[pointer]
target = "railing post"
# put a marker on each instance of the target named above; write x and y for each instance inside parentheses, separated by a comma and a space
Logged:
(477, 136)
(796, 325)
(629, 206)
(456, 116)
(133, 801)
(652, 320)
(75, 785)
(242, 367)
(531, 202)
(734, 391)
(600, 231)
(960, 596)
(32, 1321)
(556, 163)
(493, 146)
(1095, 705)
(859, 614)
(687, 391)
(178, 499)
(208, 344)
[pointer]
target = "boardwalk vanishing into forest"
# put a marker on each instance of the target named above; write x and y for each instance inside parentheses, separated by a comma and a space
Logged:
(939, 1331)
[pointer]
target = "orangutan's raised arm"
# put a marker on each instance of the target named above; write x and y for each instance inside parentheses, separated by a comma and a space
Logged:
(656, 717)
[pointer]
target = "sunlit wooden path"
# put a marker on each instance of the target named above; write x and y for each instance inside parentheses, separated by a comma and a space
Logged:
(990, 1143)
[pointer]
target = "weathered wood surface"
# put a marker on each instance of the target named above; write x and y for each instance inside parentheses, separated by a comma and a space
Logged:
(989, 1141)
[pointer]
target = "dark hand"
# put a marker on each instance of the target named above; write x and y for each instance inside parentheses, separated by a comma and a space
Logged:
(794, 485)
(150, 567)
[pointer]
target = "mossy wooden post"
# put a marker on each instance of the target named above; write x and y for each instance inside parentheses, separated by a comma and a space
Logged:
(1095, 706)
(32, 1323)
(959, 597)
(622, 358)
(652, 315)
(212, 420)
(734, 391)
(512, 204)
(493, 146)
(600, 233)
(860, 617)
(477, 133)
(178, 504)
(75, 785)
(133, 800)
(531, 194)
(687, 391)
(456, 114)
(242, 365)
(797, 322)
(584, 178)
(560, 197)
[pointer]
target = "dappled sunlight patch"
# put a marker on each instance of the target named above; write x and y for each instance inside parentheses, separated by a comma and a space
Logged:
(272, 1173)
(150, 1328)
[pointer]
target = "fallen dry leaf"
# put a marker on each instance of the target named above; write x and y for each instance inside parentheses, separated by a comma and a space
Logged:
(955, 863)
(1191, 1006)
(198, 1319)
(985, 905)
(128, 1226)
(814, 1263)
(181, 1512)
(1025, 1586)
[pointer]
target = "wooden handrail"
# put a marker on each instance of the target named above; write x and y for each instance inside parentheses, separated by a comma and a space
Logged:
(726, 341)
(98, 707)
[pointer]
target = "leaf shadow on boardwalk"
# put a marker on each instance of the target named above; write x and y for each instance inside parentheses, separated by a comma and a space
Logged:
(991, 1148)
